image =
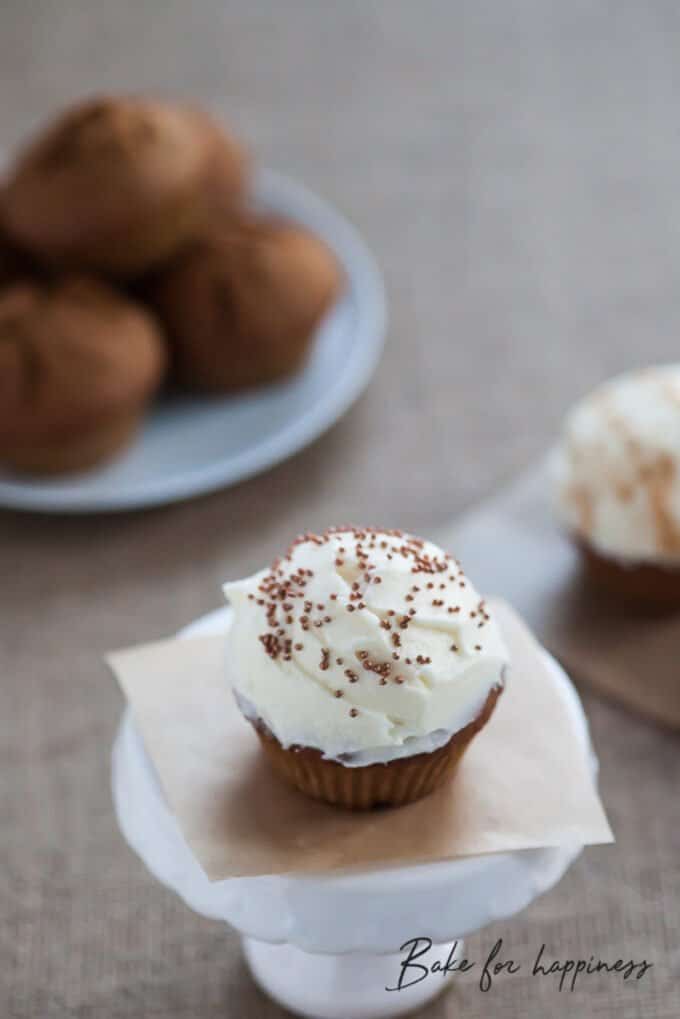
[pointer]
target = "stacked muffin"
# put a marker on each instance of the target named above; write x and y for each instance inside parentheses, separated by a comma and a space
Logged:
(127, 255)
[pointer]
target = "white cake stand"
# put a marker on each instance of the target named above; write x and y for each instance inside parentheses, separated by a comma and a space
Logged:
(327, 946)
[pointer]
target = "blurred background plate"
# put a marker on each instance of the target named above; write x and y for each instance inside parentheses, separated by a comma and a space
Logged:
(191, 445)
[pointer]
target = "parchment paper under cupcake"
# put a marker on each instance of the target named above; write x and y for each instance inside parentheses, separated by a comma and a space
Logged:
(525, 782)
(514, 548)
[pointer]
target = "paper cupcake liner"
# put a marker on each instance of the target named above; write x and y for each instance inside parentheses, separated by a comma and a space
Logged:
(395, 783)
(651, 584)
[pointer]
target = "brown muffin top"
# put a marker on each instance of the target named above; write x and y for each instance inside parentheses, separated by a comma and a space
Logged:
(263, 267)
(104, 168)
(72, 353)
(241, 305)
(226, 169)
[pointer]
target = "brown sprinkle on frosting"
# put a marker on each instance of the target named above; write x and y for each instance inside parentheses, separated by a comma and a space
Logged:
(282, 595)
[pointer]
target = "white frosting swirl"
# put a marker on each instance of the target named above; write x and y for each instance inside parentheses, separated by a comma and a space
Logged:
(617, 468)
(366, 645)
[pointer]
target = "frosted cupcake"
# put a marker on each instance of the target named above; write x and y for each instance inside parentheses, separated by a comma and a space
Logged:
(366, 662)
(617, 474)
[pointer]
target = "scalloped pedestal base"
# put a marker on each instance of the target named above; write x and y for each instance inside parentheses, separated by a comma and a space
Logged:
(341, 986)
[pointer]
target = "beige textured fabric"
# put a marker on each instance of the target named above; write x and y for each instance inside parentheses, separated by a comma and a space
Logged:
(515, 167)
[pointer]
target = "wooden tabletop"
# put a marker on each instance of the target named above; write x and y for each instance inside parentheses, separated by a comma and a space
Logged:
(514, 166)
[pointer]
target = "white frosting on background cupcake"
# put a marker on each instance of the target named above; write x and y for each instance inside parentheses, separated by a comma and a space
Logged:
(366, 645)
(617, 468)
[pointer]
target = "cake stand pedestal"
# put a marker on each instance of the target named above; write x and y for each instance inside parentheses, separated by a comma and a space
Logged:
(327, 946)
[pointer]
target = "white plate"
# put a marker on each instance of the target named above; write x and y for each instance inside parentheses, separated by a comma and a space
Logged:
(193, 445)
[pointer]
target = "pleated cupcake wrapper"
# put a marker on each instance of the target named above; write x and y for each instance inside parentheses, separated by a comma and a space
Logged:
(393, 784)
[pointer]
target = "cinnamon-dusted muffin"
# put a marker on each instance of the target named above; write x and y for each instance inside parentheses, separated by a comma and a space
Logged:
(120, 184)
(242, 305)
(617, 476)
(78, 363)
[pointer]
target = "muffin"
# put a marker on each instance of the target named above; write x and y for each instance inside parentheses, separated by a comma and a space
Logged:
(617, 481)
(117, 185)
(14, 263)
(78, 363)
(241, 306)
(366, 662)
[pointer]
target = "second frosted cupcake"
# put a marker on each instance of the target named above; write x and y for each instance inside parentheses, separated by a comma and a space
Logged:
(616, 472)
